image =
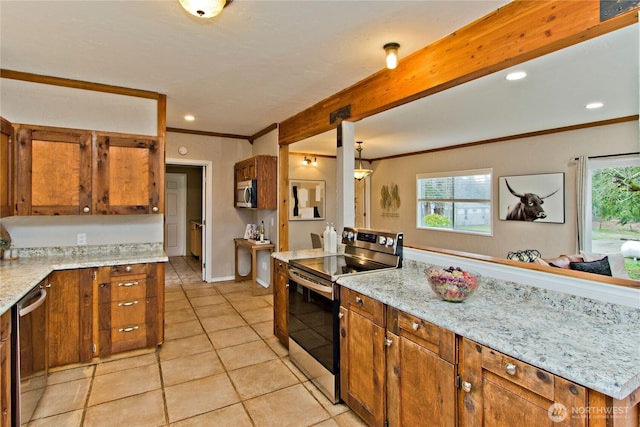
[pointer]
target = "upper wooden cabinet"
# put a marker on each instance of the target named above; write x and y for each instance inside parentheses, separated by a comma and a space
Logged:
(128, 175)
(263, 169)
(6, 168)
(76, 172)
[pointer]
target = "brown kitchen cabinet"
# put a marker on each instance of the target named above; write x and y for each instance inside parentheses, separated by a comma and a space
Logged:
(263, 169)
(69, 316)
(362, 356)
(128, 175)
(281, 301)
(53, 171)
(5, 369)
(421, 372)
(7, 150)
(79, 172)
(130, 307)
(496, 390)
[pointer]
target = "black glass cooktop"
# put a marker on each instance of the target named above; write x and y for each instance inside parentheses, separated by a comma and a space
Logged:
(337, 265)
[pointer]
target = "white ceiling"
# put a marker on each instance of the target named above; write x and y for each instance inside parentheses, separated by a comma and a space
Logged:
(553, 95)
(262, 61)
(259, 62)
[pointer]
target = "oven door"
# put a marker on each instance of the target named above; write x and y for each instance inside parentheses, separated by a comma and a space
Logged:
(313, 331)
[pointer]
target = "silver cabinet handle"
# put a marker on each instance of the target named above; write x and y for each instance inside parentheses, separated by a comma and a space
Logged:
(415, 326)
(127, 284)
(127, 268)
(388, 342)
(510, 369)
(127, 304)
(86, 209)
(466, 386)
(154, 209)
(340, 315)
(129, 329)
(359, 300)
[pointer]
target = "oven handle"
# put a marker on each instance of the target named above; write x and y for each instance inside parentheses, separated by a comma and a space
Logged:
(294, 274)
(23, 311)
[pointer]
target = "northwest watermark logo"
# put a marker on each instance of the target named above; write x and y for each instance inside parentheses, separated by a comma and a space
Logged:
(558, 412)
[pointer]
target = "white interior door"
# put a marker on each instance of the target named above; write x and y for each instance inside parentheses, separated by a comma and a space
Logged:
(176, 214)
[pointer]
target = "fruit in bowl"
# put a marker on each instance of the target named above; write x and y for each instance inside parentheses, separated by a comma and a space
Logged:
(451, 284)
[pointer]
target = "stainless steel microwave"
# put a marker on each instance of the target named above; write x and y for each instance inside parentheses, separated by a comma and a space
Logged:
(247, 194)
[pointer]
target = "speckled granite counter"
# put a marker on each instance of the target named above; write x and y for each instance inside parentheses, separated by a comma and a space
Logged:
(19, 276)
(592, 343)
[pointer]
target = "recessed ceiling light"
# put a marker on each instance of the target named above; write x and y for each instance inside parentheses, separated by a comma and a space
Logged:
(516, 75)
(189, 118)
(593, 105)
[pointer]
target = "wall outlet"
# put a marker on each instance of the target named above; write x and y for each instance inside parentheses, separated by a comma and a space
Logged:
(81, 239)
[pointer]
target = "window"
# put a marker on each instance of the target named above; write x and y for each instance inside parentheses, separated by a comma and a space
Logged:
(612, 199)
(455, 201)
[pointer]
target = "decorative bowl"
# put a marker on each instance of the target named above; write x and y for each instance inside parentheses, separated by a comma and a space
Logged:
(451, 284)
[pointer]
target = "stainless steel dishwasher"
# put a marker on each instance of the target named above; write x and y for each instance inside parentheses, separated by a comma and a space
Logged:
(30, 367)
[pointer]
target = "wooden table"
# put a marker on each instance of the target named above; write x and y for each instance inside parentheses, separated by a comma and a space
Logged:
(253, 248)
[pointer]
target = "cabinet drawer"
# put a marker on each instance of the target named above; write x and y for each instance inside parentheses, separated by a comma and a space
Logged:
(433, 337)
(121, 270)
(364, 305)
(520, 373)
(127, 312)
(128, 288)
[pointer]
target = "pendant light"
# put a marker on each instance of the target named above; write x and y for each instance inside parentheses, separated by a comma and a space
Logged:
(360, 173)
(391, 50)
(204, 8)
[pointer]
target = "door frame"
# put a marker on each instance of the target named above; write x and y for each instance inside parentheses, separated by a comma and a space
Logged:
(182, 207)
(207, 210)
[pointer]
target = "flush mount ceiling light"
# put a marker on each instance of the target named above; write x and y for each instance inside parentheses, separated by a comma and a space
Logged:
(361, 173)
(391, 50)
(516, 75)
(189, 118)
(204, 8)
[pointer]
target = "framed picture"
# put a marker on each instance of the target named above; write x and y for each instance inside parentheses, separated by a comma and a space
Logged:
(306, 200)
(250, 232)
(538, 198)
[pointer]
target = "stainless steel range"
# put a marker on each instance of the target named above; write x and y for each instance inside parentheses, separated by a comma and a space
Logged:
(314, 303)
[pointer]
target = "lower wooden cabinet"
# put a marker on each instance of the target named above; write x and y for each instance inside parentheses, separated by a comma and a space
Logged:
(362, 356)
(5, 369)
(70, 320)
(497, 390)
(130, 306)
(421, 367)
(281, 301)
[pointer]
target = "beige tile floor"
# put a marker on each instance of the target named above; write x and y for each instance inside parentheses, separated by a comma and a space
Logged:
(220, 365)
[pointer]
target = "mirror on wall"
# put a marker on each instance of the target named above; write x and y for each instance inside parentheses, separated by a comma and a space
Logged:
(306, 200)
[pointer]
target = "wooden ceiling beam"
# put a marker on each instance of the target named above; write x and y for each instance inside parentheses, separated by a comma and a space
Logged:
(515, 33)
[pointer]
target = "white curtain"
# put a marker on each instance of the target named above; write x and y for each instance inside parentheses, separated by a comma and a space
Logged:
(582, 201)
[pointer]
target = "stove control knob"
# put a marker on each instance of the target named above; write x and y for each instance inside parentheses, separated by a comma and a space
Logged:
(350, 235)
(382, 240)
(345, 233)
(389, 241)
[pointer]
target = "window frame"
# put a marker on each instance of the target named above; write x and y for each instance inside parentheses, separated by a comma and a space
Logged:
(453, 201)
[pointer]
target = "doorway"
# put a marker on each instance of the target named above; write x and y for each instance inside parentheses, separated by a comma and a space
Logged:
(192, 236)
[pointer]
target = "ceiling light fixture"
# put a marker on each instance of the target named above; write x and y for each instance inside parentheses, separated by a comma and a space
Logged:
(361, 173)
(594, 105)
(307, 161)
(189, 118)
(204, 8)
(516, 75)
(391, 50)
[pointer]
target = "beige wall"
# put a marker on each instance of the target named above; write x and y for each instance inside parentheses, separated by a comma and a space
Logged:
(542, 154)
(300, 231)
(228, 222)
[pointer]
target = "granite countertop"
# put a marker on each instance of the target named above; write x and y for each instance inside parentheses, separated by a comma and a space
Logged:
(18, 277)
(591, 343)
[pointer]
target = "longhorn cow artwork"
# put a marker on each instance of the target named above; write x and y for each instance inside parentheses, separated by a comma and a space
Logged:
(522, 198)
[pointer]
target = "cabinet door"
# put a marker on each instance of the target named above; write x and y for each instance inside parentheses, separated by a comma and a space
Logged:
(69, 326)
(362, 366)
(424, 383)
(6, 168)
(498, 391)
(281, 302)
(128, 175)
(53, 172)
